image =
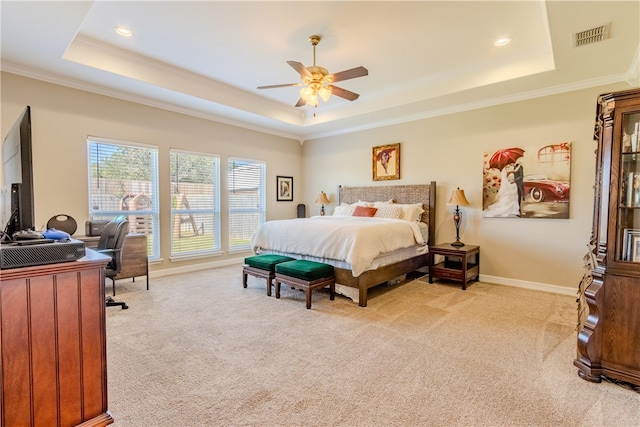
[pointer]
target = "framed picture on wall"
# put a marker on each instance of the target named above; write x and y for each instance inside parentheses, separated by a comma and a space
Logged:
(386, 162)
(527, 181)
(284, 187)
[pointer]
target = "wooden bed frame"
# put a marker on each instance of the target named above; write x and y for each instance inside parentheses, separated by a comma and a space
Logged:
(419, 193)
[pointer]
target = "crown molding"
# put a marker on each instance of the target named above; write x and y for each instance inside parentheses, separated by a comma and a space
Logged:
(306, 134)
(476, 105)
(143, 100)
(633, 73)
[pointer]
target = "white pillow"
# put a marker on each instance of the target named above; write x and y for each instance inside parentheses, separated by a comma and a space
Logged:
(382, 204)
(344, 209)
(412, 212)
(372, 204)
(389, 211)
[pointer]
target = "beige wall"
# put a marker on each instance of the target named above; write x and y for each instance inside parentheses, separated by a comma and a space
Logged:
(536, 253)
(62, 118)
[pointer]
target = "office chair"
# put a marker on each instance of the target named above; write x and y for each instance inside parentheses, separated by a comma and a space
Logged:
(111, 243)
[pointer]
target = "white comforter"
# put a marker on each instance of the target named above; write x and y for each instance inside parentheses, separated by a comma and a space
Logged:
(356, 240)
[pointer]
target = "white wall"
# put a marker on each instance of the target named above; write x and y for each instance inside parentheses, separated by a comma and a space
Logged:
(62, 118)
(542, 253)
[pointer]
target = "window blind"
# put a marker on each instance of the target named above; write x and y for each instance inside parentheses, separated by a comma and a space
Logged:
(123, 181)
(195, 203)
(247, 201)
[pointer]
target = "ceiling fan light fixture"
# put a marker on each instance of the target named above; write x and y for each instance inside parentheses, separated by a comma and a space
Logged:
(306, 92)
(325, 93)
(309, 96)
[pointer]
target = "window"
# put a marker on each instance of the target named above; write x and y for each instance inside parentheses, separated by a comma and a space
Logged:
(123, 181)
(195, 203)
(247, 201)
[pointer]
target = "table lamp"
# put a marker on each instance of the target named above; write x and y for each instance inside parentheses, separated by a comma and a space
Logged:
(322, 200)
(458, 199)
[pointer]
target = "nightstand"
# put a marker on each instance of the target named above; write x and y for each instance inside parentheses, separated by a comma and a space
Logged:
(461, 263)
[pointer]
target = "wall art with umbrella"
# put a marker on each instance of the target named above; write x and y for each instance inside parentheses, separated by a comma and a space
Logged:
(527, 182)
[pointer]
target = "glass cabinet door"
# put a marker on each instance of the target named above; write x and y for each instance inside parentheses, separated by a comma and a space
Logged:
(628, 232)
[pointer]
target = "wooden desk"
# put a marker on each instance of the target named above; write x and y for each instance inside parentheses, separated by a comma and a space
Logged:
(135, 262)
(53, 357)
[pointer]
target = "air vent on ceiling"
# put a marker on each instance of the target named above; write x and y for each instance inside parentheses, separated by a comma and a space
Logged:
(591, 36)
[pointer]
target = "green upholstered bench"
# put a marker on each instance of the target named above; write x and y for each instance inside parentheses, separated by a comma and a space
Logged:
(262, 266)
(307, 275)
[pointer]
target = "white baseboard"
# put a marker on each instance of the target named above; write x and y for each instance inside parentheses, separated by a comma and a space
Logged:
(536, 286)
(196, 267)
(544, 287)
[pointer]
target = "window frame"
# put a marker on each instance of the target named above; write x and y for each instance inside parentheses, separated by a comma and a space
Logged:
(216, 249)
(261, 209)
(153, 236)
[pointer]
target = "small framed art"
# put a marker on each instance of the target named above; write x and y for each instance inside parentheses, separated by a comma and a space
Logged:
(284, 189)
(636, 249)
(386, 162)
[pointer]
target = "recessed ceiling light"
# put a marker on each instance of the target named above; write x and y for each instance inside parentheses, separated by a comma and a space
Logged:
(502, 42)
(123, 31)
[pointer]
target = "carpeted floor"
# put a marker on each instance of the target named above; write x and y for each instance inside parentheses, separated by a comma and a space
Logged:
(200, 350)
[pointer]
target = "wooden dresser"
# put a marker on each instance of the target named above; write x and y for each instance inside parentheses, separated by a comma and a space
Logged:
(53, 362)
(134, 255)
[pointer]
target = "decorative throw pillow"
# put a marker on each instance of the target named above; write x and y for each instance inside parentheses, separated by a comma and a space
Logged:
(389, 211)
(364, 211)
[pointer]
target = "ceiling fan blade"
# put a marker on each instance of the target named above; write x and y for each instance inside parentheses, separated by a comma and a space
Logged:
(283, 85)
(349, 74)
(301, 102)
(343, 93)
(301, 69)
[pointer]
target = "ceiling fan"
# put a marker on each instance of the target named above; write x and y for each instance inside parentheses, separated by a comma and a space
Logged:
(318, 82)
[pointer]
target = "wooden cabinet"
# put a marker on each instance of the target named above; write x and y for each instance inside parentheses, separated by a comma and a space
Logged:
(460, 264)
(53, 363)
(134, 255)
(609, 338)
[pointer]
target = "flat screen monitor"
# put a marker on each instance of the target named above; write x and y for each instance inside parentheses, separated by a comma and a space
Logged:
(17, 178)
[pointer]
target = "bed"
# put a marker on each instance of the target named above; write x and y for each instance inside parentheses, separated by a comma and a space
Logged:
(352, 278)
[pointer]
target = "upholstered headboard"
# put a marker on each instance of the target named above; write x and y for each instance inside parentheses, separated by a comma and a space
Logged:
(417, 193)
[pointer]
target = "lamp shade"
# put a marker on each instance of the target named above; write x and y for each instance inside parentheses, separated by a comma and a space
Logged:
(458, 198)
(322, 199)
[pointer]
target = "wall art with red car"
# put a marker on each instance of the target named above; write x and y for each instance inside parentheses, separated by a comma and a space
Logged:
(527, 182)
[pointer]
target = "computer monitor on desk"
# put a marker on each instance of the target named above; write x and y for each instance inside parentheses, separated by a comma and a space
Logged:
(17, 211)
